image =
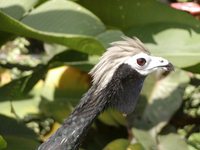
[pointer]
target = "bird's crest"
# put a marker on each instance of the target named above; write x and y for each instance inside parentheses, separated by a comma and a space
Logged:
(117, 54)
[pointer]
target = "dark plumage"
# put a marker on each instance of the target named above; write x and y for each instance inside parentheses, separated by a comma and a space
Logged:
(117, 82)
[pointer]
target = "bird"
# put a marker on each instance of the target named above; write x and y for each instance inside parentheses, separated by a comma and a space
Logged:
(117, 80)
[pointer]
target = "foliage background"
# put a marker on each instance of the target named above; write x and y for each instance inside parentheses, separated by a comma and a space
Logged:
(47, 48)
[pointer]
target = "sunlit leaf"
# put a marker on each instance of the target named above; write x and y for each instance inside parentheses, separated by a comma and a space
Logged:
(194, 140)
(63, 88)
(113, 118)
(162, 142)
(164, 99)
(172, 142)
(29, 105)
(19, 88)
(136, 146)
(123, 144)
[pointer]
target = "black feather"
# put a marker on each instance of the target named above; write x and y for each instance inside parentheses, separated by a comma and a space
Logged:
(121, 92)
(125, 88)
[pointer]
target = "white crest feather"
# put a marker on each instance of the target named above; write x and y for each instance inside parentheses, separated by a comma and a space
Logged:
(117, 54)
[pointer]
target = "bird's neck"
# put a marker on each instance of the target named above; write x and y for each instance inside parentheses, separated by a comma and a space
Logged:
(124, 88)
(69, 135)
(77, 125)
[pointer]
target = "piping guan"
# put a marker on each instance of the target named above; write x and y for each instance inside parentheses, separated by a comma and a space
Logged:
(117, 81)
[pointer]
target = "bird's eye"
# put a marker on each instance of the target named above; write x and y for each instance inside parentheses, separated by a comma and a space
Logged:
(141, 61)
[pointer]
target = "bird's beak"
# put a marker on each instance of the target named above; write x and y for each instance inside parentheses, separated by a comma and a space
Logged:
(159, 62)
(169, 67)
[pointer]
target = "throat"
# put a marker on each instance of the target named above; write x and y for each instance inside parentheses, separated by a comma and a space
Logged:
(125, 87)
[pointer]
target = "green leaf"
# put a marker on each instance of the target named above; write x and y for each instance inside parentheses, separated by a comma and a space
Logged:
(194, 68)
(21, 143)
(162, 142)
(69, 56)
(4, 37)
(21, 108)
(22, 93)
(19, 88)
(76, 33)
(164, 100)
(113, 118)
(182, 45)
(38, 73)
(194, 140)
(70, 18)
(13, 90)
(170, 33)
(126, 14)
(11, 126)
(3, 143)
(63, 88)
(123, 144)
(15, 132)
(136, 146)
(17, 8)
(110, 36)
(172, 142)
(143, 137)
(118, 144)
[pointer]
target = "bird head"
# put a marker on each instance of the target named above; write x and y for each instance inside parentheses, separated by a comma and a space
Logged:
(123, 67)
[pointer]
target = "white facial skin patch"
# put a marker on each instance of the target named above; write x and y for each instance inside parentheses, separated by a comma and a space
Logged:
(146, 64)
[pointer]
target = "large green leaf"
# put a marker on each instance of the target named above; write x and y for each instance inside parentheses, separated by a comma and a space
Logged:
(17, 8)
(109, 36)
(126, 14)
(69, 30)
(164, 97)
(172, 42)
(63, 16)
(170, 33)
(164, 100)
